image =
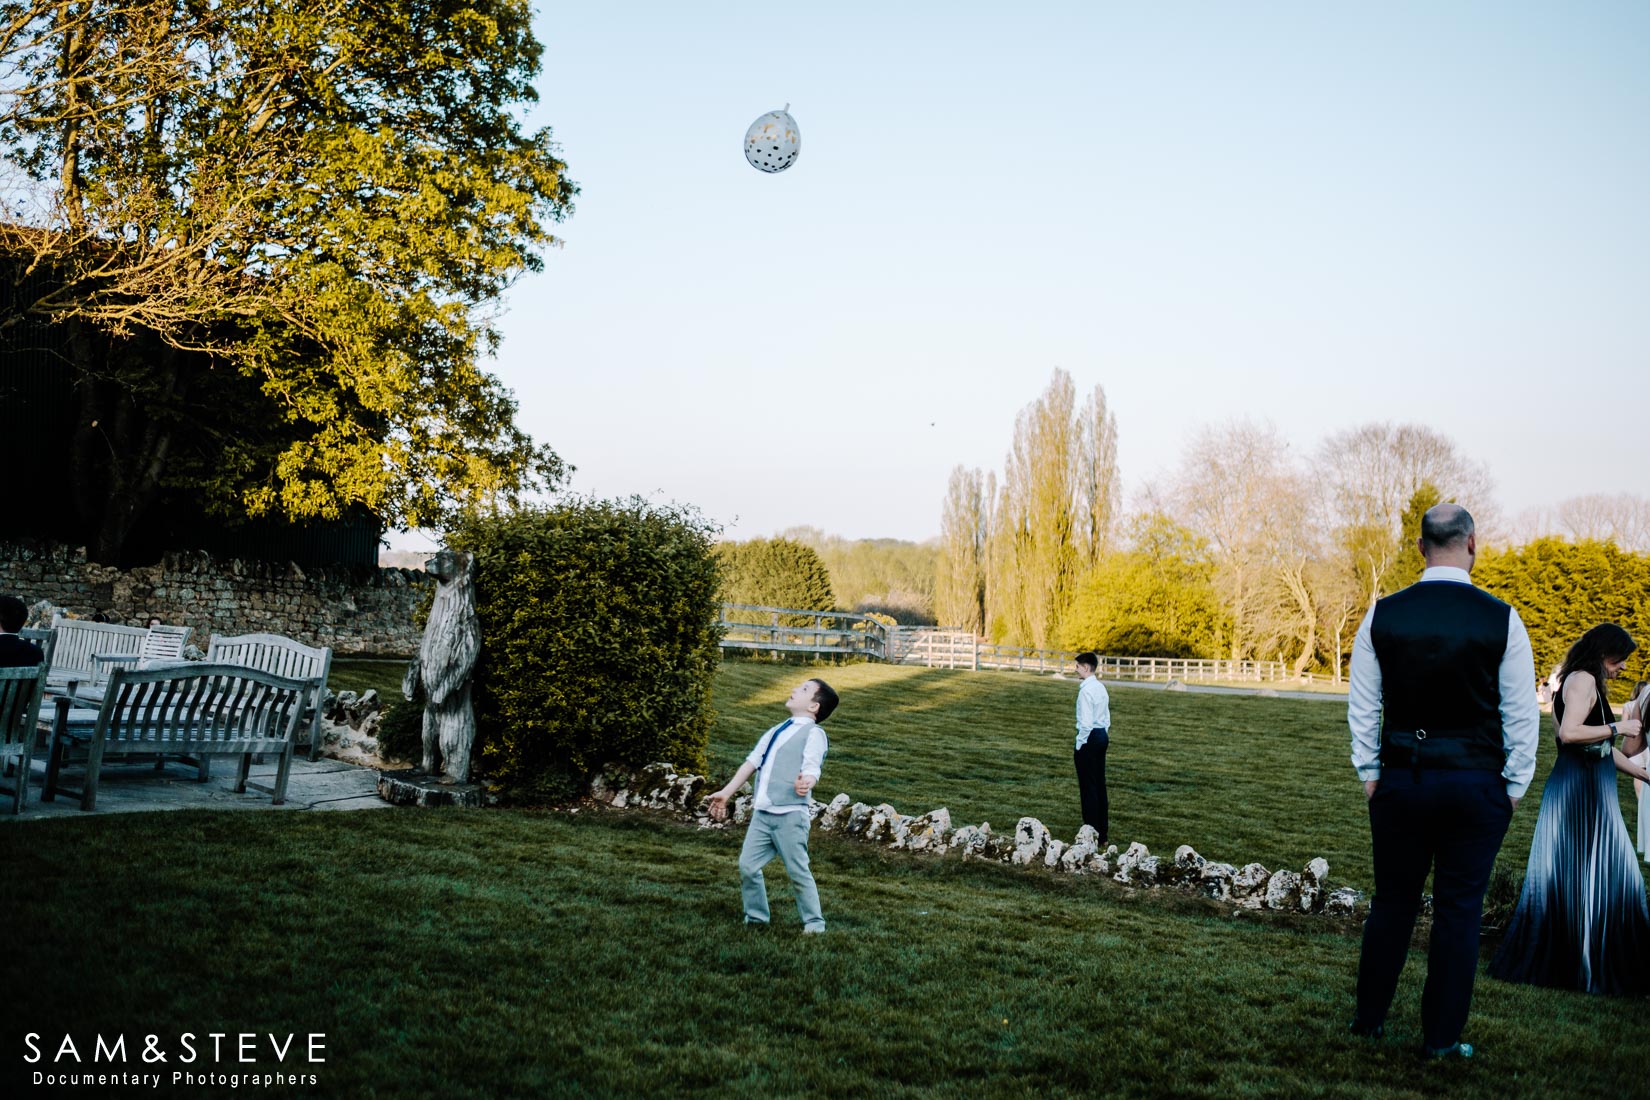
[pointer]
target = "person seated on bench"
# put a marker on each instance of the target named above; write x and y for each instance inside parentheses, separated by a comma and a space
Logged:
(16, 652)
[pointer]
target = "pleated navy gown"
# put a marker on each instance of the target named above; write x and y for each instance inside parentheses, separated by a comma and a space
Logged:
(1581, 921)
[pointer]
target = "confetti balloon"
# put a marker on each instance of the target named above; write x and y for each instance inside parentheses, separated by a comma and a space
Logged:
(772, 142)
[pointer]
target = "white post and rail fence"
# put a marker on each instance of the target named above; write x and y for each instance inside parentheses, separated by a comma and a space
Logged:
(780, 630)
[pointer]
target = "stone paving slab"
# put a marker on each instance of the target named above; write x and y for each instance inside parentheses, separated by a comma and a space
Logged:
(136, 788)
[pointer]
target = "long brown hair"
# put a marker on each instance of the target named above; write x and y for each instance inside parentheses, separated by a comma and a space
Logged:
(1605, 642)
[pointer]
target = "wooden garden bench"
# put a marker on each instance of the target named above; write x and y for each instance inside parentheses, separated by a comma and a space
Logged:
(161, 645)
(79, 641)
(282, 656)
(195, 710)
(20, 692)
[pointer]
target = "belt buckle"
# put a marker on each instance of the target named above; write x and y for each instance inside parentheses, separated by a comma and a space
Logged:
(1415, 757)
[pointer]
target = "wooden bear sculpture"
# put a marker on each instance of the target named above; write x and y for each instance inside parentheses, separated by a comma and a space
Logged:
(447, 656)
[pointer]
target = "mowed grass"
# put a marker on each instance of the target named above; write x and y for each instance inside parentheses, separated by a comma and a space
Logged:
(514, 953)
(517, 953)
(1239, 778)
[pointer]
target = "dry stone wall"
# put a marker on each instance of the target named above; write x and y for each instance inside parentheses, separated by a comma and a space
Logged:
(353, 610)
(660, 787)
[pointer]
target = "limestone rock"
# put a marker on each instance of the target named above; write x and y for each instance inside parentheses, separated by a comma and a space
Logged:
(834, 815)
(1249, 886)
(1031, 839)
(1174, 685)
(1283, 890)
(859, 818)
(1215, 880)
(1343, 902)
(742, 808)
(971, 840)
(1082, 851)
(927, 833)
(1051, 858)
(883, 824)
(1137, 866)
(1313, 881)
(1186, 868)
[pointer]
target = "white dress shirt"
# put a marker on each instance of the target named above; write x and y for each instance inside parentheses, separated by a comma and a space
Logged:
(813, 761)
(1093, 709)
(1520, 712)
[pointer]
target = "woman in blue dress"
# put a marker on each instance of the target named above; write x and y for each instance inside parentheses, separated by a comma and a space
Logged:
(1581, 921)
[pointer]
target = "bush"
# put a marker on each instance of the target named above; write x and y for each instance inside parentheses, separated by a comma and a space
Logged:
(401, 731)
(775, 573)
(598, 641)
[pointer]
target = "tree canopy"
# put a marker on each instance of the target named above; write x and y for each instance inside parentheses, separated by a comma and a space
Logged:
(310, 205)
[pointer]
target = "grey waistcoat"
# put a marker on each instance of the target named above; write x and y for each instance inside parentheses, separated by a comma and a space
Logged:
(783, 764)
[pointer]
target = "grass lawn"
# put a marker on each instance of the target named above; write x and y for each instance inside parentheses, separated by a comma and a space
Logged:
(522, 953)
(1240, 778)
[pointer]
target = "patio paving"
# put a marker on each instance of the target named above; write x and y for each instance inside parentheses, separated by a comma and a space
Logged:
(136, 788)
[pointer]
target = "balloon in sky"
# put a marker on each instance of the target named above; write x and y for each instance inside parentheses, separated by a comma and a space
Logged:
(772, 142)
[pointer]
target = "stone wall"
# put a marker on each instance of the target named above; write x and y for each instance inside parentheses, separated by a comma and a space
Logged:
(353, 610)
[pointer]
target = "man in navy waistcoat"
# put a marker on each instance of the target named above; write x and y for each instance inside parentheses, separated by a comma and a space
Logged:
(1444, 725)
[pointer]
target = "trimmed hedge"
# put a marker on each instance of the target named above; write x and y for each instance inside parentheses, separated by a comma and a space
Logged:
(599, 641)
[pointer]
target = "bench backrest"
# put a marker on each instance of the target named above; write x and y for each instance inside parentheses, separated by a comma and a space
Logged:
(163, 643)
(79, 639)
(273, 653)
(20, 691)
(45, 639)
(202, 703)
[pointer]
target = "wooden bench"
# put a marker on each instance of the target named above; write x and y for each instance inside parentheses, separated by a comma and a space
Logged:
(280, 655)
(79, 641)
(197, 710)
(161, 645)
(20, 692)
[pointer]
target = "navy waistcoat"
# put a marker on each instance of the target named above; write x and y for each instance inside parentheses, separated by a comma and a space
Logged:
(1440, 645)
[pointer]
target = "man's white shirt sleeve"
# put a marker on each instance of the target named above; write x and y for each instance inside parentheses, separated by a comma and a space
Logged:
(1363, 702)
(1520, 710)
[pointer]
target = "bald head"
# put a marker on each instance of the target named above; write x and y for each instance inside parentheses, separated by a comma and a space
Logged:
(1447, 536)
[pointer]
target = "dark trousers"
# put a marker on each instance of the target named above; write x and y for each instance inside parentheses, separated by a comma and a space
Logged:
(1091, 782)
(1450, 823)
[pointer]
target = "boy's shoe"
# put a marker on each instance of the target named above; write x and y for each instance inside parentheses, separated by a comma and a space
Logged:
(813, 931)
(1454, 1051)
(1367, 1031)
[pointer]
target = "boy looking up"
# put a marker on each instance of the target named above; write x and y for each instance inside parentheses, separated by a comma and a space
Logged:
(786, 761)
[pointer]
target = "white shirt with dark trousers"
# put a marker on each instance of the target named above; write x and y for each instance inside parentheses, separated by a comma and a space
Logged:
(1443, 714)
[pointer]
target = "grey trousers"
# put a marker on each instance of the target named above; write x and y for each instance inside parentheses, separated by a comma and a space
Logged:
(785, 836)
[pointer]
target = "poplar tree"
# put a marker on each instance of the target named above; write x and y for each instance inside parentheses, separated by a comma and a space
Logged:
(965, 526)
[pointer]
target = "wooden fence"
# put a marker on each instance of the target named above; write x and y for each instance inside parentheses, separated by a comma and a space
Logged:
(780, 630)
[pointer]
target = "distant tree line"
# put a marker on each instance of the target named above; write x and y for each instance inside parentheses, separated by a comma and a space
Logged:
(1248, 551)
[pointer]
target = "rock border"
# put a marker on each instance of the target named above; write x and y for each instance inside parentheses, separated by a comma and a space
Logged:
(659, 787)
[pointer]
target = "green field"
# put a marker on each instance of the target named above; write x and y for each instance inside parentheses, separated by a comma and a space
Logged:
(1240, 778)
(515, 953)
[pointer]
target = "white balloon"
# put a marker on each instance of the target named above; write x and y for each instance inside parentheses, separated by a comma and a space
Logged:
(772, 142)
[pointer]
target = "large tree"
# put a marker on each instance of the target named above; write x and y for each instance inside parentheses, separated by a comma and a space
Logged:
(306, 208)
(961, 565)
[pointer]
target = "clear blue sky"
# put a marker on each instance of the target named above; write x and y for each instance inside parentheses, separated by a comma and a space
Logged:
(1318, 214)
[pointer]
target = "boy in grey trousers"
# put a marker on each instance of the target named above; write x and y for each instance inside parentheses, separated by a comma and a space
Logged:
(786, 761)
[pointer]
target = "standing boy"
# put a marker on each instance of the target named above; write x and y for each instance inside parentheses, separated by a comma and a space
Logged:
(1093, 735)
(787, 761)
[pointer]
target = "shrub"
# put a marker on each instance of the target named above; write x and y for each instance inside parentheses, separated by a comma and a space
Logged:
(401, 731)
(599, 641)
(775, 573)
